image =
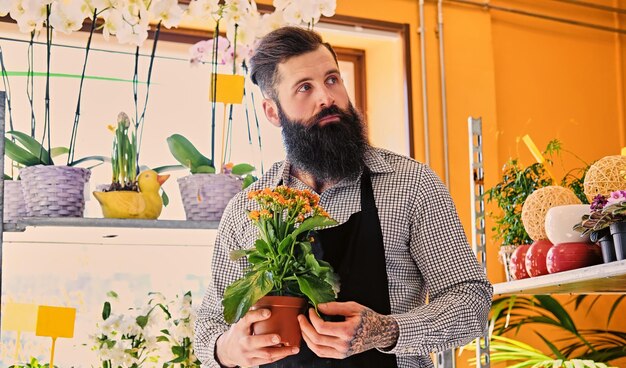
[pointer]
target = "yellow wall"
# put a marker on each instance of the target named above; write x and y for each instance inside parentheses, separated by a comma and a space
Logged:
(523, 76)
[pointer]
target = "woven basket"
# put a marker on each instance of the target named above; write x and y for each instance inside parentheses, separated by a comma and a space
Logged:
(54, 191)
(14, 205)
(205, 196)
(505, 253)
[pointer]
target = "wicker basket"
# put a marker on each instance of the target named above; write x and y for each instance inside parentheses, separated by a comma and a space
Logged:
(505, 253)
(14, 205)
(54, 191)
(205, 196)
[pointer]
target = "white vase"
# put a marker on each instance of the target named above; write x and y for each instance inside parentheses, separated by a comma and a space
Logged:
(560, 221)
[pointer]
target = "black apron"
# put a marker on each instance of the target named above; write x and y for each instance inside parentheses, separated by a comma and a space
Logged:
(355, 250)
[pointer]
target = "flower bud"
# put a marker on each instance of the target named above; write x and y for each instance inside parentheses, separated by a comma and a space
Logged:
(123, 119)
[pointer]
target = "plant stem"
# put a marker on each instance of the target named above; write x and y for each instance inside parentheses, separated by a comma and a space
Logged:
(30, 83)
(47, 105)
(7, 88)
(216, 35)
(72, 148)
(145, 104)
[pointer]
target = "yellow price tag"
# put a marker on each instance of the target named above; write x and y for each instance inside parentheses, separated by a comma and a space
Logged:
(229, 88)
(19, 317)
(55, 321)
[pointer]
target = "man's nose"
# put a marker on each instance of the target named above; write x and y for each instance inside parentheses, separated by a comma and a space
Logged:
(326, 97)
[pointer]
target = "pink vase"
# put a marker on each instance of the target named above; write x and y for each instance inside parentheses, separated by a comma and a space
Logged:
(569, 256)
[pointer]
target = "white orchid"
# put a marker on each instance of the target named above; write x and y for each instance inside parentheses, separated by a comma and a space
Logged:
(5, 7)
(167, 11)
(30, 15)
(203, 10)
(67, 17)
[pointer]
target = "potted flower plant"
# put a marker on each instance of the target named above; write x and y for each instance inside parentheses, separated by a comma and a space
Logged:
(205, 194)
(283, 270)
(607, 224)
(131, 194)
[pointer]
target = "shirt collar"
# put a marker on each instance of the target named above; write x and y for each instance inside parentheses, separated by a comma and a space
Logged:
(373, 160)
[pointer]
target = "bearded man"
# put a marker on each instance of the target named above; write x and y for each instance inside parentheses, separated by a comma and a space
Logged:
(398, 241)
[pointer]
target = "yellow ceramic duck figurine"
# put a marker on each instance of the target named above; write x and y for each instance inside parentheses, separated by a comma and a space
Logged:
(145, 204)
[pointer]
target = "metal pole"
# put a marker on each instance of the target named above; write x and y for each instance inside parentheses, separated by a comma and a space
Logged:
(422, 33)
(2, 105)
(479, 240)
(444, 104)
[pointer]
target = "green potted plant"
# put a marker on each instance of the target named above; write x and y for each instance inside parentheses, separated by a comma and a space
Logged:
(204, 192)
(131, 194)
(606, 223)
(283, 269)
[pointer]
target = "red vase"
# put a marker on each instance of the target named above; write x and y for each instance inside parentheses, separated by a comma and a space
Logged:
(517, 265)
(569, 256)
(283, 320)
(536, 258)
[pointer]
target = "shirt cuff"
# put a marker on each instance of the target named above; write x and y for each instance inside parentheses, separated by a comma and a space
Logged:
(410, 337)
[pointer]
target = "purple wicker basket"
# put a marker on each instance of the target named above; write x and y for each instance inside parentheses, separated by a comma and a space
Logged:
(14, 204)
(205, 196)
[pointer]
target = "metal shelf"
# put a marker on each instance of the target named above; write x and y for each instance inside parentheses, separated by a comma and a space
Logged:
(23, 223)
(607, 278)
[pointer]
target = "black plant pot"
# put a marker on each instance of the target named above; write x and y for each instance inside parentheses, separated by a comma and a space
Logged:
(618, 230)
(608, 248)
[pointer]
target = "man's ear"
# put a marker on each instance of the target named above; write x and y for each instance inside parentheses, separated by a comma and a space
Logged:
(271, 111)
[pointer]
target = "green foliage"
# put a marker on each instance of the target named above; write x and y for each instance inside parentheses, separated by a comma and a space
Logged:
(518, 183)
(281, 261)
(190, 157)
(503, 349)
(27, 151)
(33, 363)
(510, 194)
(124, 156)
(599, 345)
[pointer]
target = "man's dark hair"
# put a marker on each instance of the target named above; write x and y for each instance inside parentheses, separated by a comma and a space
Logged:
(278, 46)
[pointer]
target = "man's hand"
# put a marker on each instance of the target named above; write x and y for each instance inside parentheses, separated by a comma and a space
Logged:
(362, 330)
(238, 346)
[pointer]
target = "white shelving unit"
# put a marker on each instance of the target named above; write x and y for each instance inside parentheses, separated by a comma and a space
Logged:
(608, 278)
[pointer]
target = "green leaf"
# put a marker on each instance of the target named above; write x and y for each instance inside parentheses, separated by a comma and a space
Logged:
(58, 151)
(97, 158)
(262, 247)
(248, 180)
(285, 244)
(142, 321)
(237, 254)
(106, 310)
(203, 169)
(19, 154)
(187, 154)
(162, 339)
(165, 198)
(7, 177)
(311, 223)
(242, 169)
(243, 293)
(554, 307)
(316, 290)
(166, 168)
(32, 146)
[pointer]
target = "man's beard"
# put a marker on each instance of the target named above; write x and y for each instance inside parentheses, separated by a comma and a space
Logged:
(330, 152)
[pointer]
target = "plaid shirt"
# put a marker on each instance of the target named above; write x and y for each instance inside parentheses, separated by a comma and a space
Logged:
(426, 252)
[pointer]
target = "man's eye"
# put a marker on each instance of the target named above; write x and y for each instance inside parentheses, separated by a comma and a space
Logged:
(332, 80)
(304, 88)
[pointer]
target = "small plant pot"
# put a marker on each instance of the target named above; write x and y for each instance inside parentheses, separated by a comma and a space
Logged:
(54, 191)
(205, 196)
(505, 254)
(284, 318)
(618, 231)
(608, 248)
(14, 204)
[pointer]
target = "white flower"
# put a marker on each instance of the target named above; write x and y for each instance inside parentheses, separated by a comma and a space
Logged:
(247, 29)
(111, 324)
(113, 21)
(280, 5)
(270, 22)
(328, 7)
(29, 15)
(66, 17)
(203, 9)
(5, 7)
(168, 12)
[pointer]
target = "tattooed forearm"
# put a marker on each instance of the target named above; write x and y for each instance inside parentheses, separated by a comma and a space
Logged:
(373, 331)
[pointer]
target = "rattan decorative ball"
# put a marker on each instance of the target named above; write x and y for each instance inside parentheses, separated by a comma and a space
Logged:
(537, 205)
(605, 176)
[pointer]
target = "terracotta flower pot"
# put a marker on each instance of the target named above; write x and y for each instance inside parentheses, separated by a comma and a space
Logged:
(536, 258)
(517, 266)
(569, 256)
(283, 321)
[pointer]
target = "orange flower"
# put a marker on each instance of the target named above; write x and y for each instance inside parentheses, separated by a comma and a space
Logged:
(254, 215)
